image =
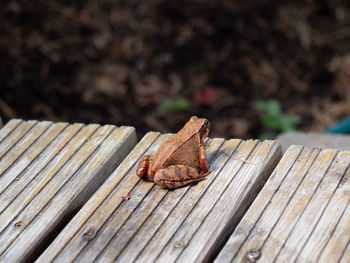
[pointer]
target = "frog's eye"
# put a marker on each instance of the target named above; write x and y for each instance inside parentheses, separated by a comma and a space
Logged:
(206, 123)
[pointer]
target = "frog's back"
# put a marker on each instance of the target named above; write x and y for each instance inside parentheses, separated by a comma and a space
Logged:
(177, 151)
(187, 153)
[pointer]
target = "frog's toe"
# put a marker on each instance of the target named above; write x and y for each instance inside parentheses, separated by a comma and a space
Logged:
(142, 167)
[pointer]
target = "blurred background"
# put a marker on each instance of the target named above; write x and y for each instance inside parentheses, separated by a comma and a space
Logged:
(254, 68)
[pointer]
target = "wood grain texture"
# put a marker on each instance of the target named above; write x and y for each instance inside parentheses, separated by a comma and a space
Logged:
(160, 225)
(300, 215)
(14, 136)
(48, 171)
(8, 128)
(312, 140)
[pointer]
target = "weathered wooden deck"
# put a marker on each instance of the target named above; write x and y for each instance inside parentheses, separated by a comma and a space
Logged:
(301, 215)
(48, 171)
(64, 198)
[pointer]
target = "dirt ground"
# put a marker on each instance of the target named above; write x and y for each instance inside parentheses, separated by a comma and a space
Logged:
(152, 64)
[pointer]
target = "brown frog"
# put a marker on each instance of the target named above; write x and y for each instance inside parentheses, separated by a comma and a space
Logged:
(181, 160)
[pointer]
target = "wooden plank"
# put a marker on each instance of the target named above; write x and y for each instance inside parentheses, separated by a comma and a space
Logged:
(8, 128)
(313, 140)
(346, 254)
(50, 173)
(18, 149)
(236, 197)
(161, 225)
(113, 183)
(329, 241)
(300, 214)
(32, 177)
(243, 229)
(10, 140)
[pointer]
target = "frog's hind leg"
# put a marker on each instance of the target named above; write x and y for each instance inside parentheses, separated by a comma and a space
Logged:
(175, 176)
(143, 168)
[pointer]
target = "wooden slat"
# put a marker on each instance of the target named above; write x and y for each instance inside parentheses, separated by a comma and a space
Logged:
(161, 225)
(337, 246)
(49, 173)
(8, 128)
(18, 149)
(10, 140)
(32, 176)
(300, 215)
(313, 140)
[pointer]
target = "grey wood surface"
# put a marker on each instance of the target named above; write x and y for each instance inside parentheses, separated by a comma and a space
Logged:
(311, 140)
(302, 214)
(187, 224)
(47, 172)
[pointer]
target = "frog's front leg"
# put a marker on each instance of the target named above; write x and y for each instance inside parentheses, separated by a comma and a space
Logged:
(143, 168)
(175, 176)
(203, 160)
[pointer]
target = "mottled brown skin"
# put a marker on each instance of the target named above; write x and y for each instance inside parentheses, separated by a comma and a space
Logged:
(181, 160)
